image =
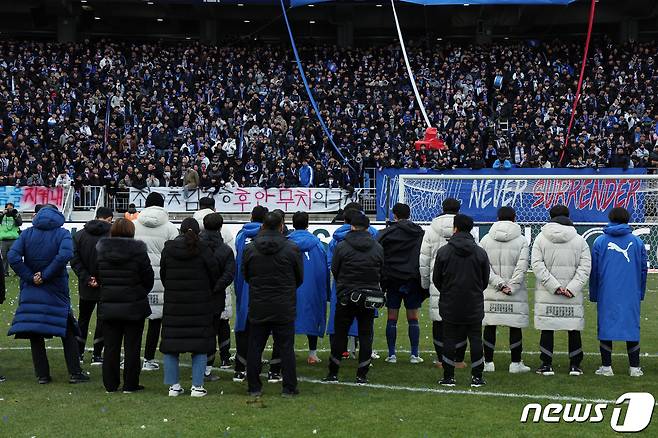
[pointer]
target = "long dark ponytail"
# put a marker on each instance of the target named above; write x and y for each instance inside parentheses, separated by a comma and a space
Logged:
(189, 229)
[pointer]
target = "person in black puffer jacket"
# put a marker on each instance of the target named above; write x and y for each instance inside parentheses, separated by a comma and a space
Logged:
(461, 273)
(84, 253)
(357, 263)
(123, 272)
(189, 273)
(212, 235)
(273, 268)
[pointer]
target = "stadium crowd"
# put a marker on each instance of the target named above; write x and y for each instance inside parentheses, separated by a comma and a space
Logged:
(124, 114)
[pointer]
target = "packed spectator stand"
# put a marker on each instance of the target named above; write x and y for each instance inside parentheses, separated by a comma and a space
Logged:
(121, 115)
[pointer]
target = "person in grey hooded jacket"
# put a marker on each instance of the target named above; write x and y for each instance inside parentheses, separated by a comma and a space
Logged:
(506, 296)
(561, 261)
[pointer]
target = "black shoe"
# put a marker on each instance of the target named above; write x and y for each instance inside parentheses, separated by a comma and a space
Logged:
(545, 370)
(361, 380)
(3, 379)
(79, 378)
(331, 378)
(255, 394)
(274, 377)
(225, 365)
(575, 371)
(239, 376)
(96, 361)
(476, 382)
(448, 381)
(210, 377)
(290, 394)
(45, 380)
(130, 391)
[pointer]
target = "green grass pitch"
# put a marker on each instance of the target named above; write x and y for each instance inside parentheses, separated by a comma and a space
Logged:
(404, 400)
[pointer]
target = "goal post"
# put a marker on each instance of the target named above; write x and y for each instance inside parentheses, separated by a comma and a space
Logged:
(589, 198)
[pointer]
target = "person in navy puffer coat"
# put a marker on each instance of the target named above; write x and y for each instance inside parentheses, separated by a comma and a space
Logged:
(39, 257)
(617, 285)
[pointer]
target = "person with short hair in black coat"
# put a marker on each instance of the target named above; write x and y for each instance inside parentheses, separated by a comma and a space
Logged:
(123, 272)
(84, 254)
(212, 235)
(461, 273)
(273, 268)
(189, 273)
(357, 266)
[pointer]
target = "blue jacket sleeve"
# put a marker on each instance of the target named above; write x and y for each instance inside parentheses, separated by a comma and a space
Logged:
(15, 258)
(594, 273)
(64, 254)
(644, 269)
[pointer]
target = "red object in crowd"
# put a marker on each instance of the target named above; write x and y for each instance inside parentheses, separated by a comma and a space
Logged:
(431, 141)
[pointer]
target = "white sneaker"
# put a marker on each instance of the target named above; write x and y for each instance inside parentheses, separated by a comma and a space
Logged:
(604, 371)
(150, 365)
(489, 367)
(175, 391)
(416, 359)
(374, 355)
(518, 368)
(635, 372)
(391, 359)
(198, 391)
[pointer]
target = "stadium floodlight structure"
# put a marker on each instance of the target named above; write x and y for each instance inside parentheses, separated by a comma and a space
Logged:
(587, 197)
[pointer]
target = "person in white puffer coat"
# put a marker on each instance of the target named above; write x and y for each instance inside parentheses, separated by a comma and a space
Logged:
(154, 228)
(506, 297)
(437, 236)
(561, 261)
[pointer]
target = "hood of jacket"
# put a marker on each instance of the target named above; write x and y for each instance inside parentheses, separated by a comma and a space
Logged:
(48, 219)
(614, 229)
(153, 217)
(269, 242)
(558, 233)
(361, 241)
(199, 215)
(443, 225)
(304, 239)
(251, 229)
(504, 231)
(98, 227)
(178, 249)
(213, 238)
(463, 243)
(119, 248)
(411, 230)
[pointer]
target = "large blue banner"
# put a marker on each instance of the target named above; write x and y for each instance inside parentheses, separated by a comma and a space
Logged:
(588, 199)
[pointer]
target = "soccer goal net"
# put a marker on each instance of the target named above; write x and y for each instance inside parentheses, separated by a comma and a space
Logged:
(589, 200)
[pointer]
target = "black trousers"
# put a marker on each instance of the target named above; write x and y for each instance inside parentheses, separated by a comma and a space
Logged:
(284, 341)
(130, 334)
(515, 343)
(71, 355)
(241, 351)
(547, 341)
(152, 338)
(343, 318)
(222, 331)
(453, 334)
(632, 348)
(438, 338)
(86, 309)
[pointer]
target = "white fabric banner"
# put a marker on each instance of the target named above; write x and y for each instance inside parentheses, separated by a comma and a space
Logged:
(243, 199)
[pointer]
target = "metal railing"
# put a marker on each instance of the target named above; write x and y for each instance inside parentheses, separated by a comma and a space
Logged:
(89, 198)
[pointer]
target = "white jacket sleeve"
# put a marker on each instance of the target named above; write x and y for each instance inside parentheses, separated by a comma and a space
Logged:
(579, 279)
(426, 261)
(494, 278)
(521, 265)
(542, 273)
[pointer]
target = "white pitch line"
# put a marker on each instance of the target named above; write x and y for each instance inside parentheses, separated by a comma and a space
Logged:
(326, 350)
